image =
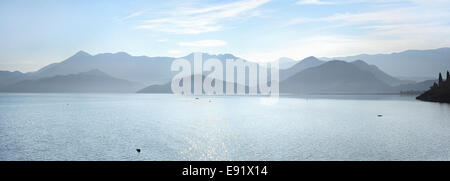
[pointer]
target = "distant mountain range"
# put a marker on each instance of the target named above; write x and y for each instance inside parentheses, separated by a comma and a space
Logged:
(166, 88)
(419, 86)
(300, 66)
(7, 78)
(334, 77)
(380, 75)
(90, 82)
(407, 64)
(331, 77)
(142, 69)
(128, 73)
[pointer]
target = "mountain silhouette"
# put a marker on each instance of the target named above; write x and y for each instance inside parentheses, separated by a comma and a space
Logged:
(330, 77)
(416, 87)
(8, 78)
(300, 66)
(304, 76)
(142, 69)
(380, 75)
(90, 82)
(166, 88)
(334, 77)
(410, 63)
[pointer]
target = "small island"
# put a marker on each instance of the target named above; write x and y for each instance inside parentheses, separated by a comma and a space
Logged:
(439, 92)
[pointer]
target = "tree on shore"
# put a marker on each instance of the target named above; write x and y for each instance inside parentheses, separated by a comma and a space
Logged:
(439, 92)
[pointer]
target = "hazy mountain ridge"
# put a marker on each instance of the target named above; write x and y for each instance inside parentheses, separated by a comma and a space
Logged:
(300, 66)
(334, 77)
(343, 77)
(156, 71)
(410, 63)
(379, 74)
(89, 82)
(148, 70)
(419, 86)
(167, 89)
(330, 77)
(7, 77)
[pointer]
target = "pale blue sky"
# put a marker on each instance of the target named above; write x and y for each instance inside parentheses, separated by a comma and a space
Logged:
(36, 33)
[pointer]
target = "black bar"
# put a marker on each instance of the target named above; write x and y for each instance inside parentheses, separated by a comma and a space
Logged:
(274, 169)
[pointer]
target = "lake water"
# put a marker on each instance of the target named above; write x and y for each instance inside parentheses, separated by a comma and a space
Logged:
(170, 127)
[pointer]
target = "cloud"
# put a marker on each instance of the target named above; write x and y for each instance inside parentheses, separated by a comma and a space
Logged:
(176, 52)
(381, 16)
(201, 20)
(339, 45)
(132, 15)
(204, 43)
(412, 11)
(162, 40)
(415, 25)
(315, 2)
(388, 18)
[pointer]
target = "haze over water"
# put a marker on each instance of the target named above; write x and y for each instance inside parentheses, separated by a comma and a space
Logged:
(170, 127)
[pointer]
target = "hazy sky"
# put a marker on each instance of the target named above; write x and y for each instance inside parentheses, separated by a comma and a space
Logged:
(36, 33)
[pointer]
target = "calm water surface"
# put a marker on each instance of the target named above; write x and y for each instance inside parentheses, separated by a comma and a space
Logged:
(170, 127)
